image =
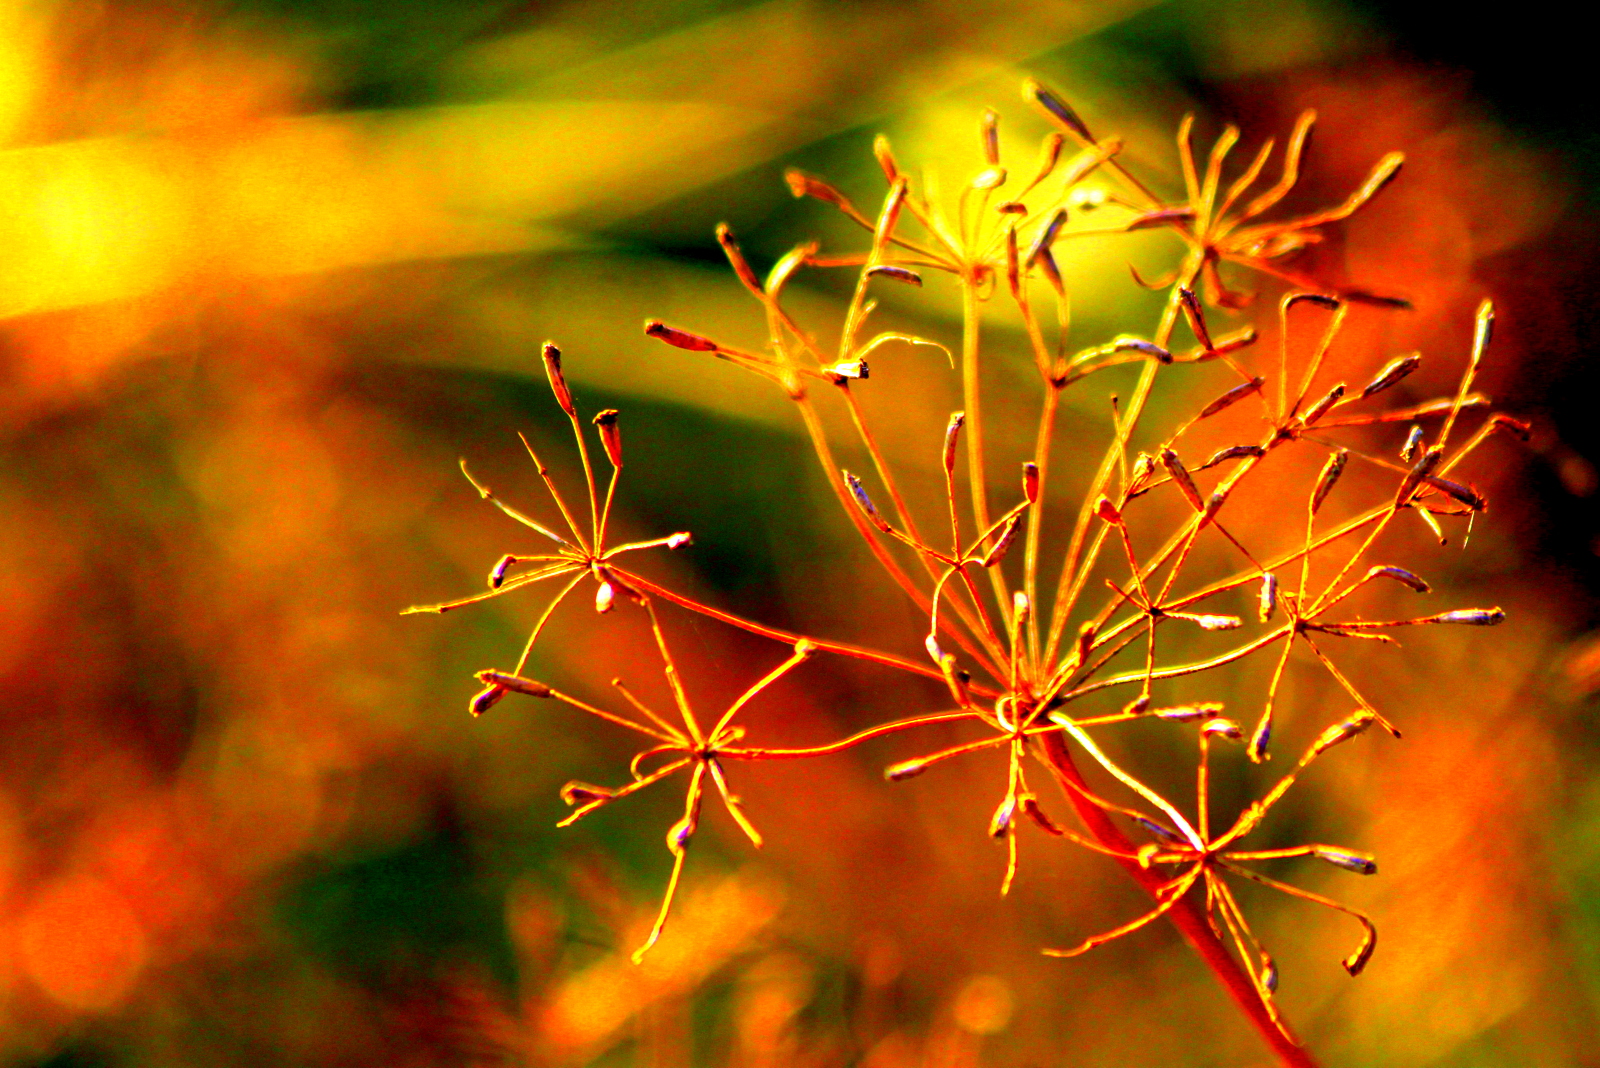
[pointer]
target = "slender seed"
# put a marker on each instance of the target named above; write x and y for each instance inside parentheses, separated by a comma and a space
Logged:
(1055, 107)
(1408, 451)
(678, 338)
(1360, 863)
(952, 433)
(558, 381)
(514, 683)
(1232, 397)
(1269, 596)
(1330, 474)
(1320, 409)
(610, 436)
(485, 699)
(1392, 372)
(989, 128)
(1181, 476)
(1399, 574)
(859, 492)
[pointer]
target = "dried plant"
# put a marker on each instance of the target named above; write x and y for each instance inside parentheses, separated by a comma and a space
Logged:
(1020, 666)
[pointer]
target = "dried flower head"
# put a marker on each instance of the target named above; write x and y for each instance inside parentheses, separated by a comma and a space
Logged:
(1025, 632)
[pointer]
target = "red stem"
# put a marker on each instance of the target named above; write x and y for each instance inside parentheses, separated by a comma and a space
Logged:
(1186, 916)
(844, 648)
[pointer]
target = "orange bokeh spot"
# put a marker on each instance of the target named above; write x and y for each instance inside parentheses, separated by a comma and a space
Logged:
(82, 944)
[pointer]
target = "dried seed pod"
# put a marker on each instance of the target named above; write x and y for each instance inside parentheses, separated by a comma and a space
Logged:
(1002, 545)
(1046, 237)
(850, 369)
(885, 157)
(1128, 343)
(1356, 295)
(679, 540)
(1269, 973)
(1330, 474)
(1222, 728)
(1181, 476)
(1360, 863)
(1408, 451)
(1214, 505)
(906, 769)
(899, 274)
(1209, 622)
(1392, 372)
(1030, 482)
(497, 574)
(1320, 409)
(1465, 494)
(605, 597)
(1223, 345)
(485, 699)
(1483, 329)
(931, 643)
(1013, 264)
(741, 266)
(1322, 300)
(1399, 574)
(1419, 471)
(859, 492)
(610, 436)
(1268, 603)
(558, 380)
(1233, 396)
(678, 338)
(1232, 452)
(1349, 727)
(1000, 822)
(952, 431)
(1140, 704)
(514, 683)
(582, 793)
(1196, 317)
(1382, 175)
(1011, 207)
(1052, 273)
(1184, 713)
(1257, 749)
(1107, 511)
(1143, 466)
(1515, 427)
(1055, 107)
(802, 184)
(1472, 617)
(1030, 806)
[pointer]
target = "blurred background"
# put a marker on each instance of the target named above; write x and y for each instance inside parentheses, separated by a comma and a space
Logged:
(271, 266)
